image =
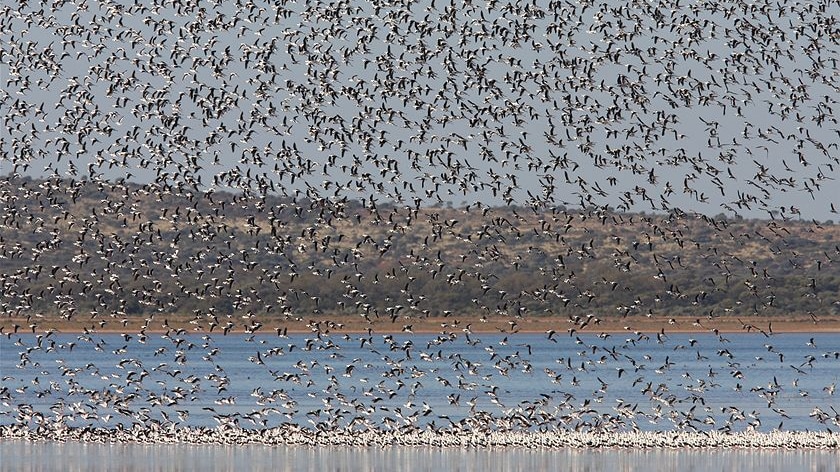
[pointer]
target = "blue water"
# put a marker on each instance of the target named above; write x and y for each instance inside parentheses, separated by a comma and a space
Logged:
(524, 381)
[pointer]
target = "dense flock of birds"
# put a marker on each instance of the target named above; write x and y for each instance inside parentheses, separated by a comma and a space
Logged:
(564, 110)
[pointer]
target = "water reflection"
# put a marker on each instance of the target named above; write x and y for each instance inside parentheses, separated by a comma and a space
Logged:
(26, 456)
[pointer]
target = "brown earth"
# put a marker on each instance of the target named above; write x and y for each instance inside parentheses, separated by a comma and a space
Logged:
(351, 324)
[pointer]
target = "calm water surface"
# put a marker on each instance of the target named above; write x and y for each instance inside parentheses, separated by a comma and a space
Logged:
(25, 457)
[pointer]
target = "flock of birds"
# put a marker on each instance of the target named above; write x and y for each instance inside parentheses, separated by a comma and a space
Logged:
(668, 107)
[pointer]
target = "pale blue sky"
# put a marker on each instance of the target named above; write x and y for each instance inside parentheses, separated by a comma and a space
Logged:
(691, 109)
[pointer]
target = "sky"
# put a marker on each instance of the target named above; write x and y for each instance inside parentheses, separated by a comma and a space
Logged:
(642, 107)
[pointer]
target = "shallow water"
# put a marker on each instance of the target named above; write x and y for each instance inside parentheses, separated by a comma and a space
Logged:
(707, 379)
(689, 358)
(657, 384)
(29, 457)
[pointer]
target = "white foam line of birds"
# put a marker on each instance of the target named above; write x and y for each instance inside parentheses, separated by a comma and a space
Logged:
(296, 435)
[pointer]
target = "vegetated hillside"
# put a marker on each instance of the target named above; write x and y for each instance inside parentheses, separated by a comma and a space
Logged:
(99, 250)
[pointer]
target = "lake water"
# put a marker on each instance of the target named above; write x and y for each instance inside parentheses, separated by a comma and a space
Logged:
(525, 381)
(25, 457)
(688, 381)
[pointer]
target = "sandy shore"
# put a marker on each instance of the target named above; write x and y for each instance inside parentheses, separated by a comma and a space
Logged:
(347, 324)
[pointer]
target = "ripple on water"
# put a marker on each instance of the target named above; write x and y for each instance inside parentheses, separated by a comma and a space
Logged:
(28, 456)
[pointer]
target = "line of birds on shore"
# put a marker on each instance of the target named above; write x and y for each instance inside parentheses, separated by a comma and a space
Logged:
(401, 107)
